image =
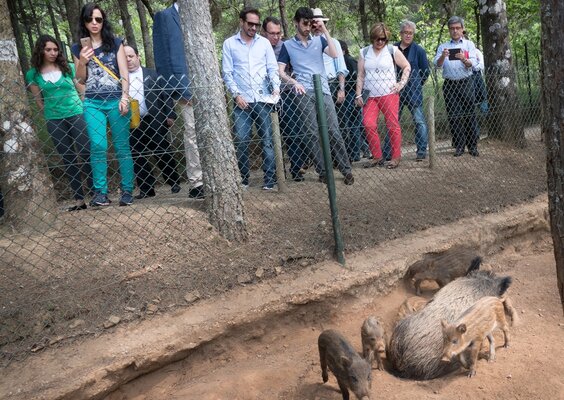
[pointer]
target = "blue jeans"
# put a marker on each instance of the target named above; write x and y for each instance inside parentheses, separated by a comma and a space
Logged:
(291, 131)
(352, 129)
(259, 114)
(421, 135)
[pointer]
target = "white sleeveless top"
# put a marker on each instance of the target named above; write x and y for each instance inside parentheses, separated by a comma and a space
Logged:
(380, 71)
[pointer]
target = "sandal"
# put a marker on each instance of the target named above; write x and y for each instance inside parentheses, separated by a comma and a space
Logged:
(393, 164)
(374, 163)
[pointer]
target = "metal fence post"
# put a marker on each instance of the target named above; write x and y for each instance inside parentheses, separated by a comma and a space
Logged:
(277, 143)
(326, 150)
(430, 111)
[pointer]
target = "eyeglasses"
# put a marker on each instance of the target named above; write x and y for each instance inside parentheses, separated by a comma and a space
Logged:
(253, 24)
(274, 33)
(407, 33)
(381, 39)
(98, 20)
(307, 22)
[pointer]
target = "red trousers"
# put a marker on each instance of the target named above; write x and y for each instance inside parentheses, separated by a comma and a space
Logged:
(389, 105)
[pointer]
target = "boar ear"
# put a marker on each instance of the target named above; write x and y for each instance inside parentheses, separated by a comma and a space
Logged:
(444, 324)
(461, 328)
(346, 362)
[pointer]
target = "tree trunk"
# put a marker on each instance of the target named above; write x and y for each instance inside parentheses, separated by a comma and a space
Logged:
(73, 13)
(363, 21)
(147, 40)
(54, 24)
(217, 153)
(505, 118)
(450, 7)
(20, 45)
(378, 8)
(552, 44)
(21, 12)
(126, 19)
(149, 8)
(28, 192)
(283, 17)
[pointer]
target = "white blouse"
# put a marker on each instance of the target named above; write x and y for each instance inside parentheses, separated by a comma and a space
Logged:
(380, 71)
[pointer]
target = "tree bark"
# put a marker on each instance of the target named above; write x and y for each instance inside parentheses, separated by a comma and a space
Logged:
(149, 8)
(126, 19)
(552, 44)
(505, 117)
(363, 21)
(283, 17)
(73, 13)
(27, 188)
(147, 40)
(217, 153)
(54, 23)
(20, 45)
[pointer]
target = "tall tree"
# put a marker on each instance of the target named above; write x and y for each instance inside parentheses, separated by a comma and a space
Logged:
(217, 153)
(28, 191)
(126, 19)
(54, 22)
(283, 17)
(147, 40)
(73, 13)
(363, 21)
(15, 23)
(552, 39)
(505, 122)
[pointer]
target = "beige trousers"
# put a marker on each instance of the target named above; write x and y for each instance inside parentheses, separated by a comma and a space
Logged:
(193, 166)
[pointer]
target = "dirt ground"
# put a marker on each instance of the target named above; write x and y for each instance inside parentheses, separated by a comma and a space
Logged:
(279, 359)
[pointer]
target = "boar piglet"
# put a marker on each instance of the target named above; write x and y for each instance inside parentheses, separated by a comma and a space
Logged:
(473, 326)
(442, 267)
(411, 305)
(373, 341)
(351, 371)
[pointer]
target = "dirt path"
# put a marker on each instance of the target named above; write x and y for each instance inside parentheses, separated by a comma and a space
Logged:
(279, 360)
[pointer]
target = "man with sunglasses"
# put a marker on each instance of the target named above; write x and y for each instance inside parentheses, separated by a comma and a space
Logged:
(305, 53)
(250, 73)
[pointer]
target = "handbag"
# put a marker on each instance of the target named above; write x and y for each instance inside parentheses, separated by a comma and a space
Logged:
(134, 103)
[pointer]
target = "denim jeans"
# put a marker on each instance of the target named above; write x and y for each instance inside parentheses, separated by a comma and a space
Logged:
(292, 133)
(259, 114)
(352, 129)
(421, 136)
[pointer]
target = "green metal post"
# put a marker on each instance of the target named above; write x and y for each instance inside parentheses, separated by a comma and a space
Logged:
(326, 150)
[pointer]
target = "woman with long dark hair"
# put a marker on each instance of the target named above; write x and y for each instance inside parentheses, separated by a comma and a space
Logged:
(52, 82)
(102, 66)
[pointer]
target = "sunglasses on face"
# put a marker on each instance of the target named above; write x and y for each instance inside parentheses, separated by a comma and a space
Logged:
(381, 39)
(98, 20)
(251, 24)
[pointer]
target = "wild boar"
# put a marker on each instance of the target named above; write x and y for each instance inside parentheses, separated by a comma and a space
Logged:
(352, 372)
(472, 327)
(373, 341)
(411, 305)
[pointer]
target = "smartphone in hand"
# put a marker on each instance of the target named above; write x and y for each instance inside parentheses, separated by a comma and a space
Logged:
(86, 42)
(452, 53)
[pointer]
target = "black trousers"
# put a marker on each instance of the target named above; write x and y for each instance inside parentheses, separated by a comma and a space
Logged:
(459, 101)
(146, 141)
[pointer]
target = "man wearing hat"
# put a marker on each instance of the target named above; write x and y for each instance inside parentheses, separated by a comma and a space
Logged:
(305, 53)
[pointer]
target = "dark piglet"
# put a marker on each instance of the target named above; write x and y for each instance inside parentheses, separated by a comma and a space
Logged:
(373, 341)
(352, 372)
(416, 346)
(442, 267)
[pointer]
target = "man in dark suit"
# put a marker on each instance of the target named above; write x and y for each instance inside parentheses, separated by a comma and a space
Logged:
(170, 62)
(150, 137)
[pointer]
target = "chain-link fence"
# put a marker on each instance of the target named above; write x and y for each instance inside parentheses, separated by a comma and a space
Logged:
(78, 272)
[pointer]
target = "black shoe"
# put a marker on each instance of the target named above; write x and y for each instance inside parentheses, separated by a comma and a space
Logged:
(474, 153)
(144, 195)
(76, 208)
(175, 188)
(197, 193)
(323, 179)
(458, 153)
(349, 179)
(298, 177)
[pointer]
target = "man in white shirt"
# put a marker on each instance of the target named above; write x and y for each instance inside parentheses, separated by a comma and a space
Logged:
(250, 73)
(151, 136)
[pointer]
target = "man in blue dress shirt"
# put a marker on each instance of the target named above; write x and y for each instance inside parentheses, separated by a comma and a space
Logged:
(457, 58)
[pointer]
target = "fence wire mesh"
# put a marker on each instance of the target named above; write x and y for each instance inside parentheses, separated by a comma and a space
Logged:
(76, 273)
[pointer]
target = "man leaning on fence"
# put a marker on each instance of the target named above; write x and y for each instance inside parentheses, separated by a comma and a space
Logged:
(457, 58)
(151, 136)
(251, 75)
(305, 53)
(170, 62)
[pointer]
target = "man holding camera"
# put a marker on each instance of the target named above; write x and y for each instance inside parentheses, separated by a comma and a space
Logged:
(457, 58)
(305, 53)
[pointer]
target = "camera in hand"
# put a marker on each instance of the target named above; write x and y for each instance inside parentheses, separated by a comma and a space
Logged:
(452, 53)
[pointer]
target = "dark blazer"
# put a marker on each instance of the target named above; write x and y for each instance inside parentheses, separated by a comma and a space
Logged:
(157, 99)
(168, 50)
(412, 93)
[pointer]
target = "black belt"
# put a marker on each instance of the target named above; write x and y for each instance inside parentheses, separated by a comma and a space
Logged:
(458, 80)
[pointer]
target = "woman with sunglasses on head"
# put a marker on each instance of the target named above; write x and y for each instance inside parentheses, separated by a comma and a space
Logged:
(53, 85)
(102, 66)
(377, 77)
